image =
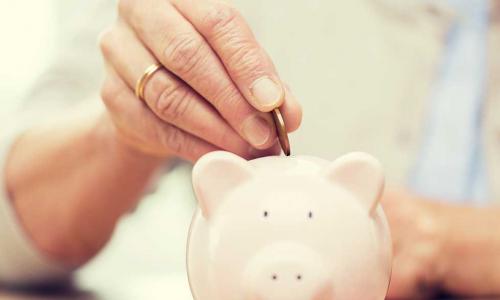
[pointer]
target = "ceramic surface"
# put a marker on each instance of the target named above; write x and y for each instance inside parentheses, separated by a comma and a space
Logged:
(288, 228)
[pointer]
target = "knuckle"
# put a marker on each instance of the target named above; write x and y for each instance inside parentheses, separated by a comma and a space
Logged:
(224, 96)
(241, 52)
(125, 7)
(225, 137)
(113, 95)
(229, 102)
(220, 19)
(246, 60)
(133, 13)
(174, 139)
(174, 103)
(110, 91)
(185, 53)
(106, 41)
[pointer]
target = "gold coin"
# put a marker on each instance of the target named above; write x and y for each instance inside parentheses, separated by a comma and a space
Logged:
(281, 131)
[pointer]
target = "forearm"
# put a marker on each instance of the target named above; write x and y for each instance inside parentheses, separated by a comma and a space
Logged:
(70, 183)
(471, 251)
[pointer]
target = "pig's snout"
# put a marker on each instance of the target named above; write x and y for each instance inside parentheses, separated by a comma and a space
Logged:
(288, 271)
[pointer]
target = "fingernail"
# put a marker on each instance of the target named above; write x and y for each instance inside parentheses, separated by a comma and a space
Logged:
(266, 92)
(257, 130)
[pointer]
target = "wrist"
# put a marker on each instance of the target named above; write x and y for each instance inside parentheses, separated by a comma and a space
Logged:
(470, 250)
(106, 134)
(64, 175)
(440, 232)
(433, 229)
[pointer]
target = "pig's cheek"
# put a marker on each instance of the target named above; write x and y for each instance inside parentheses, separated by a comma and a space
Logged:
(326, 293)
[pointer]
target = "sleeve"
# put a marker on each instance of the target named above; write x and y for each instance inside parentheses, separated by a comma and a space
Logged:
(76, 69)
(73, 75)
(20, 263)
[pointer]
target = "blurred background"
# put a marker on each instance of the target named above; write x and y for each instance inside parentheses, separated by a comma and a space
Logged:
(137, 263)
(23, 56)
(141, 263)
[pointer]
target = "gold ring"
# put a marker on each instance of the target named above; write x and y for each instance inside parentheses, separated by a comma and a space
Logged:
(141, 83)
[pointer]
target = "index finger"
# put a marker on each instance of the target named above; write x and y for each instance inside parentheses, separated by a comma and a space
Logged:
(183, 51)
(246, 61)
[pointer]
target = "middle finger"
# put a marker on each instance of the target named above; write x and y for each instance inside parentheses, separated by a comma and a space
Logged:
(183, 51)
(169, 98)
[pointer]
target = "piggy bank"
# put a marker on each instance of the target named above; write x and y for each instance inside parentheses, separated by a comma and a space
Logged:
(288, 228)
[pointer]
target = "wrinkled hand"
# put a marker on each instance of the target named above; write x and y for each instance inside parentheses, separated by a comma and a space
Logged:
(417, 239)
(215, 92)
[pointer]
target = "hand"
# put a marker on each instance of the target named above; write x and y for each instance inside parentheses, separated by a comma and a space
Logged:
(215, 92)
(416, 231)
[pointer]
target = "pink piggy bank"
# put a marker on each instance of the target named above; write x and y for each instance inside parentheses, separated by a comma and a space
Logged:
(288, 228)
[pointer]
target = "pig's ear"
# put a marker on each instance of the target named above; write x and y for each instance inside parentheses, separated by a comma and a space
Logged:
(215, 175)
(361, 174)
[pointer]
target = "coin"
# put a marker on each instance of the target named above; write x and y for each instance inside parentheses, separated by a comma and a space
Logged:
(281, 131)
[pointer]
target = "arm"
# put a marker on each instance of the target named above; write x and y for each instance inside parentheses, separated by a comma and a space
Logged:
(471, 251)
(440, 247)
(70, 182)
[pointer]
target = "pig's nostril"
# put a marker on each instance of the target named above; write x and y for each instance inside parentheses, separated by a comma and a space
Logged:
(299, 277)
(274, 277)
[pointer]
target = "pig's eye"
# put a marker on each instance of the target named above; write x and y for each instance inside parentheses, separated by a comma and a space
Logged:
(310, 215)
(266, 214)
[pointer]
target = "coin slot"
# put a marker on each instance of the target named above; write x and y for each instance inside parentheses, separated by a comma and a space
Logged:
(310, 215)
